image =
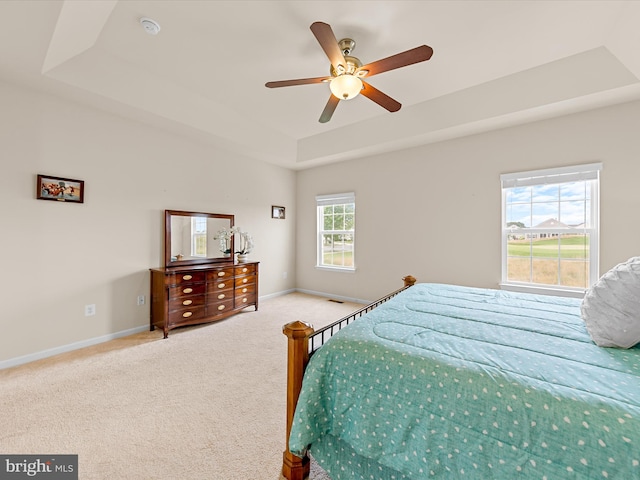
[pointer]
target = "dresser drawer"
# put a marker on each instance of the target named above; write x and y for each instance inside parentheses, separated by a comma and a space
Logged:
(245, 281)
(244, 300)
(186, 290)
(245, 289)
(245, 270)
(219, 308)
(185, 301)
(186, 315)
(220, 286)
(179, 278)
(219, 295)
(220, 274)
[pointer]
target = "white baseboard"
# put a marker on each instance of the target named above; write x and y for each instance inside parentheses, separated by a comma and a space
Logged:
(277, 294)
(14, 362)
(317, 294)
(335, 297)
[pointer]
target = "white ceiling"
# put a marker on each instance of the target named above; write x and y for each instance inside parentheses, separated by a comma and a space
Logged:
(495, 63)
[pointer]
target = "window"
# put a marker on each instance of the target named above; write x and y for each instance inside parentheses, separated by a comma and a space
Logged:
(550, 229)
(198, 237)
(336, 230)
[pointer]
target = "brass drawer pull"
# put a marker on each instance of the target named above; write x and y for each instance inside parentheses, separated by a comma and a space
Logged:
(245, 270)
(245, 280)
(222, 274)
(187, 314)
(244, 300)
(187, 277)
(220, 307)
(187, 302)
(221, 296)
(187, 290)
(244, 290)
(221, 285)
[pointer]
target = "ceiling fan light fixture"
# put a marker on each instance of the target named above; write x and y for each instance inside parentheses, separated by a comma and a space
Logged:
(345, 87)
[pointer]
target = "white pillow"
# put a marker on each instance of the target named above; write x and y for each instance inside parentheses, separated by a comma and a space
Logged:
(611, 307)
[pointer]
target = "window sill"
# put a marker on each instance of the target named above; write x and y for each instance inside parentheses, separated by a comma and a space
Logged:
(543, 290)
(336, 269)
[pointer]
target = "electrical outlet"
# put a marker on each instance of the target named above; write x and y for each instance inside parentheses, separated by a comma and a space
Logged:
(89, 310)
(140, 299)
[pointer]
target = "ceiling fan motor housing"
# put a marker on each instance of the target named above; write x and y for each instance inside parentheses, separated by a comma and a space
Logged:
(350, 68)
(347, 45)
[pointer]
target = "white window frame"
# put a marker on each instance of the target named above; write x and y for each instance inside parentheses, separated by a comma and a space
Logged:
(588, 172)
(321, 202)
(197, 233)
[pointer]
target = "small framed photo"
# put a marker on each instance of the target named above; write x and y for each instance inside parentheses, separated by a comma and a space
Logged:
(59, 189)
(277, 212)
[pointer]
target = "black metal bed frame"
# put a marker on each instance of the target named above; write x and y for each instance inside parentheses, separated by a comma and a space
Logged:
(320, 336)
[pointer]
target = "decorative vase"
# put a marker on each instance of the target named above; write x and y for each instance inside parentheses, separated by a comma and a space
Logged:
(242, 257)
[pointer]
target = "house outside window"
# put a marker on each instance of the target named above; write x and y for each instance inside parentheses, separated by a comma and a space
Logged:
(550, 229)
(198, 237)
(336, 231)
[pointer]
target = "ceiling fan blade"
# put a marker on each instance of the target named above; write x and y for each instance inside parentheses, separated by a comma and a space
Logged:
(300, 81)
(327, 113)
(415, 55)
(327, 40)
(382, 99)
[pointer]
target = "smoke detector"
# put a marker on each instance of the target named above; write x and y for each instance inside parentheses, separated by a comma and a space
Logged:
(150, 26)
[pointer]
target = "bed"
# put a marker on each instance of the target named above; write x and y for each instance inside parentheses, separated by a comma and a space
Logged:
(445, 381)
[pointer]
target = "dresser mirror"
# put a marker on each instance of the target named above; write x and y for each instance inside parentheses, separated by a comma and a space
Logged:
(189, 238)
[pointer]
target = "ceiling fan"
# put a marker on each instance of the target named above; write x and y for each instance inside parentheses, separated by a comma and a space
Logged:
(347, 72)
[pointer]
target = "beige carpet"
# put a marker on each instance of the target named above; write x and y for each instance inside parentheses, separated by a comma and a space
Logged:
(207, 403)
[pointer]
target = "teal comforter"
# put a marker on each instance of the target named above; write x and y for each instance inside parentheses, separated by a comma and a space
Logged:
(456, 382)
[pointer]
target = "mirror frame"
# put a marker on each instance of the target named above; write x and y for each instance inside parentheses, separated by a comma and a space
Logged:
(167, 238)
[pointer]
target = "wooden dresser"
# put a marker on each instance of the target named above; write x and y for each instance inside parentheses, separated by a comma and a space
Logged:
(190, 295)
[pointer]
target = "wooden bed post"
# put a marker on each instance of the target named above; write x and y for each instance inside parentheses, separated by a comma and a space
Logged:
(294, 467)
(409, 280)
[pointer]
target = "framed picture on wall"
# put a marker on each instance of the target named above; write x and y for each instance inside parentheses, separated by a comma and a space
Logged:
(277, 212)
(59, 189)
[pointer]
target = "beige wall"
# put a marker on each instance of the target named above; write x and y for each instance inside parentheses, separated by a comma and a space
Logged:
(434, 211)
(431, 211)
(57, 258)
